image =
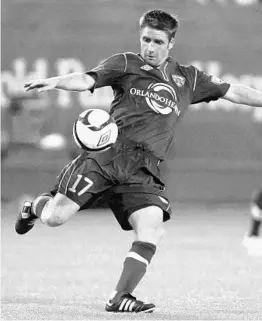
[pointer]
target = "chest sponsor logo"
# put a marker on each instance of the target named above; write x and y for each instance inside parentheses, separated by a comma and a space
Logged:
(160, 97)
(179, 80)
(146, 67)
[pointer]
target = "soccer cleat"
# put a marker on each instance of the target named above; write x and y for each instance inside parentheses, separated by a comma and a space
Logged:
(127, 303)
(26, 219)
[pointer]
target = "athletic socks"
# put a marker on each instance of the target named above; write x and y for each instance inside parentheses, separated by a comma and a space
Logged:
(39, 203)
(135, 266)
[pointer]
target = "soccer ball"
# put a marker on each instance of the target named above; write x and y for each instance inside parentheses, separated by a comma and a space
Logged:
(95, 130)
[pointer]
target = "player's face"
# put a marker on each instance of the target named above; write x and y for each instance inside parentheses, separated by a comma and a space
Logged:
(155, 46)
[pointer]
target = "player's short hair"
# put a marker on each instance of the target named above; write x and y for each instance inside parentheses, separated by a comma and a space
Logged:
(160, 20)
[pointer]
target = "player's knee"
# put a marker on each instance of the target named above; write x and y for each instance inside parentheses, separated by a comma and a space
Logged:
(58, 210)
(161, 233)
(54, 221)
(148, 224)
(52, 218)
(150, 235)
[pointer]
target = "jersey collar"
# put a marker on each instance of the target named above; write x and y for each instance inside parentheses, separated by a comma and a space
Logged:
(168, 59)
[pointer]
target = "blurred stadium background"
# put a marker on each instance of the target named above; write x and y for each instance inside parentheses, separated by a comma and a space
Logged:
(217, 158)
(218, 146)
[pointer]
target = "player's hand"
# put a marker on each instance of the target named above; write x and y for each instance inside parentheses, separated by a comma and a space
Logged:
(41, 84)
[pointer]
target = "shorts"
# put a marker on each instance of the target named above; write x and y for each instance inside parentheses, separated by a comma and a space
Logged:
(126, 175)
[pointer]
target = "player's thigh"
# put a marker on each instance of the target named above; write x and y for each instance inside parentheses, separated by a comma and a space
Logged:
(147, 223)
(58, 210)
(82, 181)
(147, 217)
(148, 206)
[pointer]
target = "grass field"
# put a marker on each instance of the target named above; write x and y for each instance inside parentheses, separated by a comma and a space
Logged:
(200, 270)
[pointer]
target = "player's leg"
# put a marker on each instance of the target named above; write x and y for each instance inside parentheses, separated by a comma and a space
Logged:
(52, 211)
(26, 218)
(77, 185)
(252, 241)
(147, 223)
(31, 211)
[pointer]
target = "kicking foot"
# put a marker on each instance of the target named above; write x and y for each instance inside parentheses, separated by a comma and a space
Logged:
(26, 219)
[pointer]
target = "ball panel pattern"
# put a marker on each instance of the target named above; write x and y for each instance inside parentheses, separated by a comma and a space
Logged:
(95, 137)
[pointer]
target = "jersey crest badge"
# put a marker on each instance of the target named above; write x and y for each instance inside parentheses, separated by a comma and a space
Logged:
(146, 67)
(179, 80)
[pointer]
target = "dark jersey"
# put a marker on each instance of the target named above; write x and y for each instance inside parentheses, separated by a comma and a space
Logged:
(149, 101)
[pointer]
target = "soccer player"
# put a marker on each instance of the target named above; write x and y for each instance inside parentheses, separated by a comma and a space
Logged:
(252, 241)
(152, 92)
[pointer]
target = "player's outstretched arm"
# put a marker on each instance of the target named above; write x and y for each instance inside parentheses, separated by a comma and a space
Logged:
(241, 94)
(73, 82)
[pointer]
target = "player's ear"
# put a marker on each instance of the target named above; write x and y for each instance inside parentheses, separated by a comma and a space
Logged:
(171, 43)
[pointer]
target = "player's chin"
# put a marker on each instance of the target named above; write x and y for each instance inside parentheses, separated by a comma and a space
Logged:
(152, 62)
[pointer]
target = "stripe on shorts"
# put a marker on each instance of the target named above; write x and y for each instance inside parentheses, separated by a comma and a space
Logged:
(66, 171)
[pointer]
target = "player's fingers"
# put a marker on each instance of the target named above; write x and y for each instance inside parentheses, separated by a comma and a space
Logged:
(45, 88)
(34, 82)
(28, 88)
(35, 86)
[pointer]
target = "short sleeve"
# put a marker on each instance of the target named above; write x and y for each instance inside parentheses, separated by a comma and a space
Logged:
(207, 87)
(109, 71)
